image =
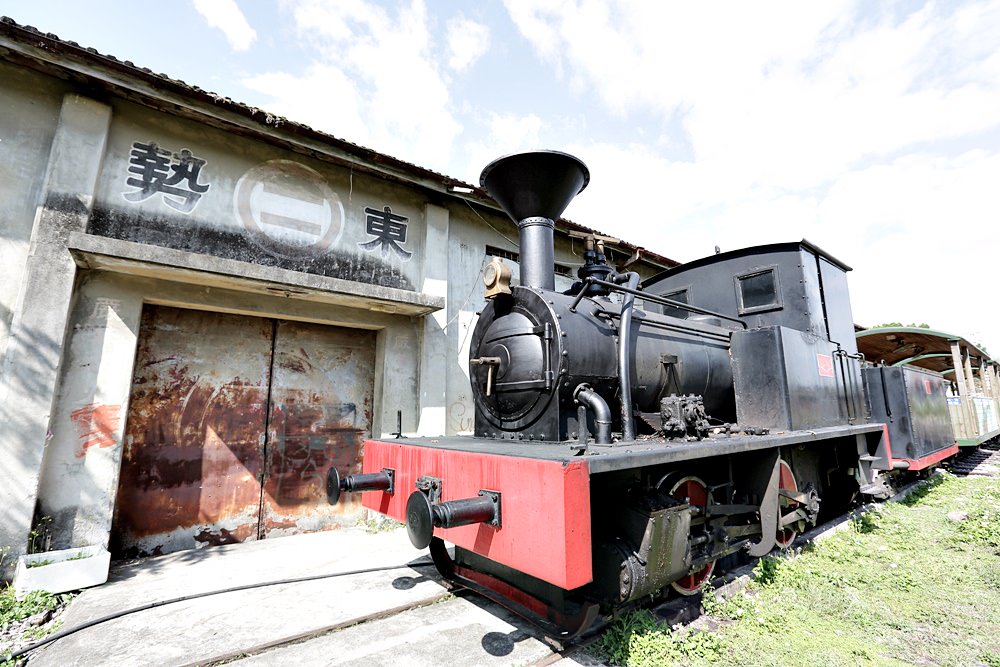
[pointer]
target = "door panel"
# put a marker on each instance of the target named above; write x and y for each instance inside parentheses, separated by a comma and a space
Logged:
(192, 458)
(321, 412)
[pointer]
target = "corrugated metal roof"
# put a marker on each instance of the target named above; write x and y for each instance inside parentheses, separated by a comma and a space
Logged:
(48, 50)
(914, 346)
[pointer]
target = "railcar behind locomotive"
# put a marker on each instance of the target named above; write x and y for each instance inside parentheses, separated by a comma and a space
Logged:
(630, 435)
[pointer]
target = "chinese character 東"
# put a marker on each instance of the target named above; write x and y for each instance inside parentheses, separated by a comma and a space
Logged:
(173, 175)
(389, 231)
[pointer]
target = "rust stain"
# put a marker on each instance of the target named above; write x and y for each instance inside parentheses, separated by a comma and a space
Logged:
(195, 431)
(320, 416)
(96, 425)
(306, 439)
(153, 362)
(296, 362)
(223, 536)
(197, 448)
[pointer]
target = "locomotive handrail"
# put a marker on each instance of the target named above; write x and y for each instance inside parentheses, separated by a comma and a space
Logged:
(625, 352)
(646, 296)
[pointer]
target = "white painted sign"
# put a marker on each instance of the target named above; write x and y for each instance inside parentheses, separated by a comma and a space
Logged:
(289, 209)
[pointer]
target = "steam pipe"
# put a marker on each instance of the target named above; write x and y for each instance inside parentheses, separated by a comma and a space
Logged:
(624, 352)
(537, 255)
(602, 413)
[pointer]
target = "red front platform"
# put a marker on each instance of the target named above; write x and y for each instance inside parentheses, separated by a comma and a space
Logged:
(545, 505)
(930, 459)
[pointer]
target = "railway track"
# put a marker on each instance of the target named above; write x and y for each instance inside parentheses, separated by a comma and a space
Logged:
(499, 637)
(458, 628)
(983, 461)
(525, 645)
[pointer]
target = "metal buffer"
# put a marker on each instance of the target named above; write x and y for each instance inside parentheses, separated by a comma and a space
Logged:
(425, 512)
(376, 481)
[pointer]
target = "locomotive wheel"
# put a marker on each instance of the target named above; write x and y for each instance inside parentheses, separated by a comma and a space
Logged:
(694, 492)
(786, 482)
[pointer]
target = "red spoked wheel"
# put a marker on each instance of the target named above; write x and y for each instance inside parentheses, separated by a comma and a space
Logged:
(694, 492)
(786, 482)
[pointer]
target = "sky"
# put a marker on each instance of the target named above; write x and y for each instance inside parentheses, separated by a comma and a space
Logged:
(872, 129)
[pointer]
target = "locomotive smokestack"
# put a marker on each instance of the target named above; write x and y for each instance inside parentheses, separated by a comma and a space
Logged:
(534, 189)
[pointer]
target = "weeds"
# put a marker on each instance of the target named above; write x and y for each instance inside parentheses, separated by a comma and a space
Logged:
(40, 537)
(918, 494)
(13, 610)
(39, 563)
(376, 523)
(13, 614)
(907, 585)
(865, 522)
(765, 572)
(37, 632)
(636, 639)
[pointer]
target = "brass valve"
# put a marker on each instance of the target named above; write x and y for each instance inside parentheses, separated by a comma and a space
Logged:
(496, 277)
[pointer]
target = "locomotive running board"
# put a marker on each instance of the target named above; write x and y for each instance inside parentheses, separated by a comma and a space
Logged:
(557, 625)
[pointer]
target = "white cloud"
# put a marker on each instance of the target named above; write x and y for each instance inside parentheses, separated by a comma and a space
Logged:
(515, 132)
(505, 134)
(227, 17)
(467, 42)
(386, 89)
(846, 123)
(792, 95)
(322, 97)
(926, 228)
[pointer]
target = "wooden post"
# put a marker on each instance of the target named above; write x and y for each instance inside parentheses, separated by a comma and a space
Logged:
(963, 392)
(972, 391)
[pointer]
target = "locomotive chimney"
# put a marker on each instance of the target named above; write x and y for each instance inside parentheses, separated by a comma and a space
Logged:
(534, 189)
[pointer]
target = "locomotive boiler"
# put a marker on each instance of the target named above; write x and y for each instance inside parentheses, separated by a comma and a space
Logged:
(628, 435)
(548, 366)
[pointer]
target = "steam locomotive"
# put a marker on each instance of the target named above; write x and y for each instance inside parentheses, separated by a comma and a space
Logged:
(629, 435)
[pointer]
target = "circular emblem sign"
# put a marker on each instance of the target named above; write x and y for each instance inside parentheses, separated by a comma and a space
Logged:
(289, 209)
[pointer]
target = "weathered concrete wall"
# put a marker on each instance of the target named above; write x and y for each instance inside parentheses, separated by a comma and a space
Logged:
(79, 477)
(249, 201)
(436, 352)
(29, 112)
(38, 325)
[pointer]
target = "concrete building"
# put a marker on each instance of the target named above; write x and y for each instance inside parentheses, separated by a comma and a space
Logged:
(204, 306)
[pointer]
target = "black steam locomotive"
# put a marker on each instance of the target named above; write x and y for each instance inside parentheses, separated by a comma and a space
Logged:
(629, 435)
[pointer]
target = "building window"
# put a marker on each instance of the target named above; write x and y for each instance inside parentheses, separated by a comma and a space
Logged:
(758, 291)
(492, 251)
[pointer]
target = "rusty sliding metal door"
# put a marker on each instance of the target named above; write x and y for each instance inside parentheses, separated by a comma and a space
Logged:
(192, 461)
(320, 414)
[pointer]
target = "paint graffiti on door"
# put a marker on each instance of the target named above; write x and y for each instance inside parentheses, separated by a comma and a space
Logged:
(307, 439)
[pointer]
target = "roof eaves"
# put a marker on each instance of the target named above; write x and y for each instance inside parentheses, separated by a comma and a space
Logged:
(173, 95)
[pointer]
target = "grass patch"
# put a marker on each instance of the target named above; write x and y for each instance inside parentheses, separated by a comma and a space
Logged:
(636, 639)
(14, 611)
(904, 586)
(376, 523)
(39, 563)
